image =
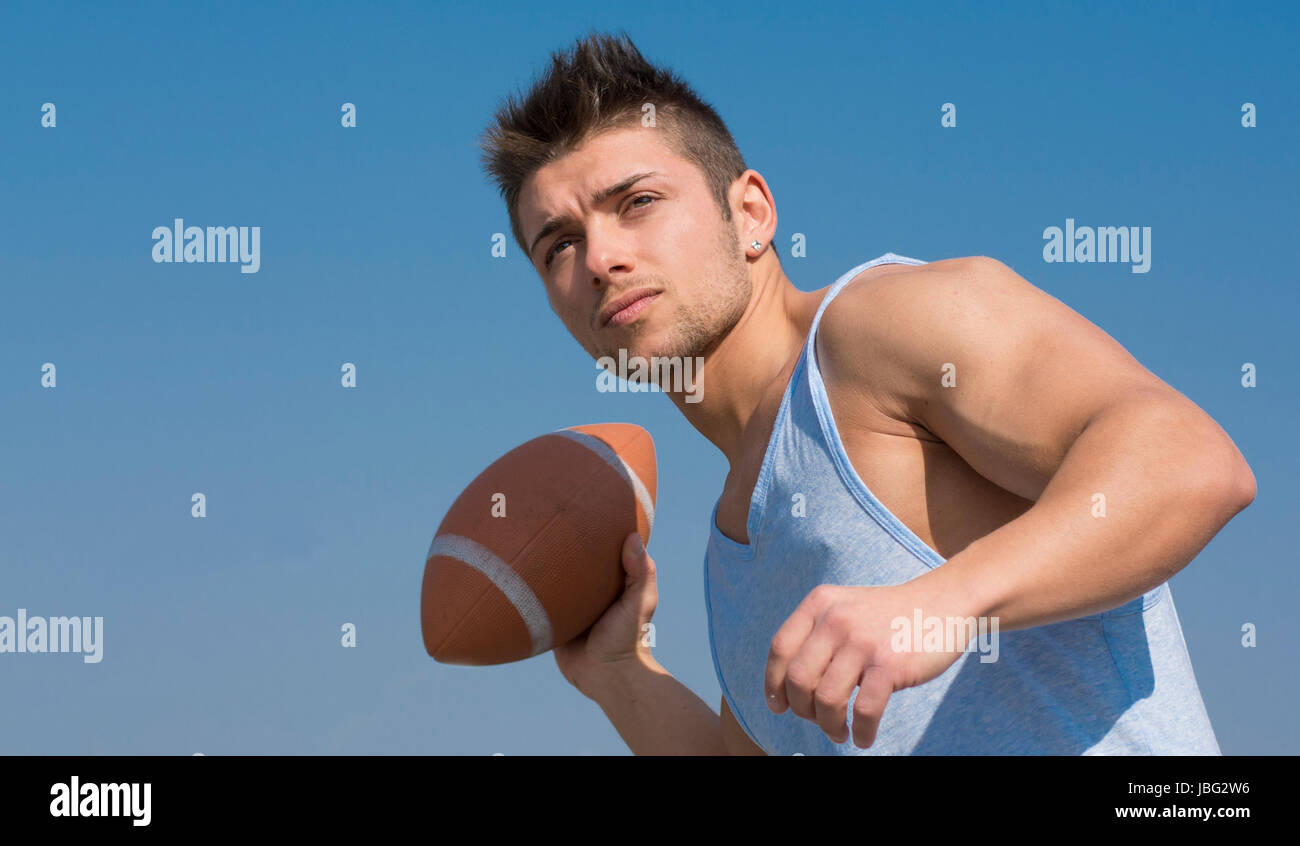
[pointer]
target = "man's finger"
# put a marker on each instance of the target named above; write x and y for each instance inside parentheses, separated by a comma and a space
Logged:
(831, 700)
(873, 694)
(804, 673)
(786, 644)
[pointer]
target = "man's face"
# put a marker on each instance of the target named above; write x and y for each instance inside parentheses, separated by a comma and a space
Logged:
(664, 233)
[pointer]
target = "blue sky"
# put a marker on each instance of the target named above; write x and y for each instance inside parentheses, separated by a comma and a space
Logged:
(221, 635)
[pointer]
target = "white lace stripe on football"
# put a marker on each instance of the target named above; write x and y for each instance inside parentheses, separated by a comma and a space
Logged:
(616, 461)
(509, 582)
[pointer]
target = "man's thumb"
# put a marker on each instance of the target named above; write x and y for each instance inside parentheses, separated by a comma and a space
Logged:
(635, 561)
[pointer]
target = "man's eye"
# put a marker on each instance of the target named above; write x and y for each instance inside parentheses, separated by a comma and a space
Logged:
(556, 247)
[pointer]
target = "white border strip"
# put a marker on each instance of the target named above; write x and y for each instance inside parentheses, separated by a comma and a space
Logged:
(616, 461)
(510, 583)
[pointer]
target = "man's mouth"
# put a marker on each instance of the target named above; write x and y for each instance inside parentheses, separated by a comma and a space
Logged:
(629, 307)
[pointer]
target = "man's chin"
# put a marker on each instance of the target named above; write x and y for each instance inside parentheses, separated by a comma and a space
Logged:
(627, 353)
(643, 347)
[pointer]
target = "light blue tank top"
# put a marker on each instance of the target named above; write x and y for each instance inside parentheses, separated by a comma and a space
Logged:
(1119, 682)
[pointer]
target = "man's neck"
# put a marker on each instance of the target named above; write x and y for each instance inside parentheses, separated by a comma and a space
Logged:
(762, 348)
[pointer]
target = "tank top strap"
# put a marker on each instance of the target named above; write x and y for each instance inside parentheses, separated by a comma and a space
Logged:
(839, 284)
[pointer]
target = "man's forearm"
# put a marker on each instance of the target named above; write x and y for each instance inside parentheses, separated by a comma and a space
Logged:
(1136, 498)
(655, 714)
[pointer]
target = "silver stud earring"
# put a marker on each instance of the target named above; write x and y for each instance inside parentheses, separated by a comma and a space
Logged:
(756, 244)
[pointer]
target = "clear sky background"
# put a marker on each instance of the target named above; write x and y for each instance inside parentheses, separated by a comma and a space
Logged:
(222, 635)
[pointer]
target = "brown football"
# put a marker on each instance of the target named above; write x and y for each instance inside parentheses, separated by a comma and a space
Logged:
(529, 555)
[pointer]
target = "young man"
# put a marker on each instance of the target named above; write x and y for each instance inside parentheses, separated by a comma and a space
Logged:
(919, 441)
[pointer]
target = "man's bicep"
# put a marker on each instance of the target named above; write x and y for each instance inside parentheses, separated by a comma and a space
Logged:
(1005, 374)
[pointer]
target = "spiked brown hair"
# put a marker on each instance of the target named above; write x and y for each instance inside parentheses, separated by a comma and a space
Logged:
(600, 85)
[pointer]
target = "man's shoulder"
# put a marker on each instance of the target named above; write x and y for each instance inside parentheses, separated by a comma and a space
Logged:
(890, 275)
(872, 335)
(883, 294)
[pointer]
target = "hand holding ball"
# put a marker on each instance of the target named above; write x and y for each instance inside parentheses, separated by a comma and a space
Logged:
(530, 554)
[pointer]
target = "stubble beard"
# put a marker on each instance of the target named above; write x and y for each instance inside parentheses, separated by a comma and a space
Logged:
(698, 328)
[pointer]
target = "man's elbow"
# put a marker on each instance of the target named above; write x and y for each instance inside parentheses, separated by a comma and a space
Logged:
(1231, 489)
(1245, 487)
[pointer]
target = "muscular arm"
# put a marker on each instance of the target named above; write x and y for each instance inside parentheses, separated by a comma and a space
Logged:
(1046, 405)
(655, 714)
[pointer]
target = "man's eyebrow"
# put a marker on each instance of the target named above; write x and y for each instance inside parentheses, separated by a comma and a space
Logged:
(554, 223)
